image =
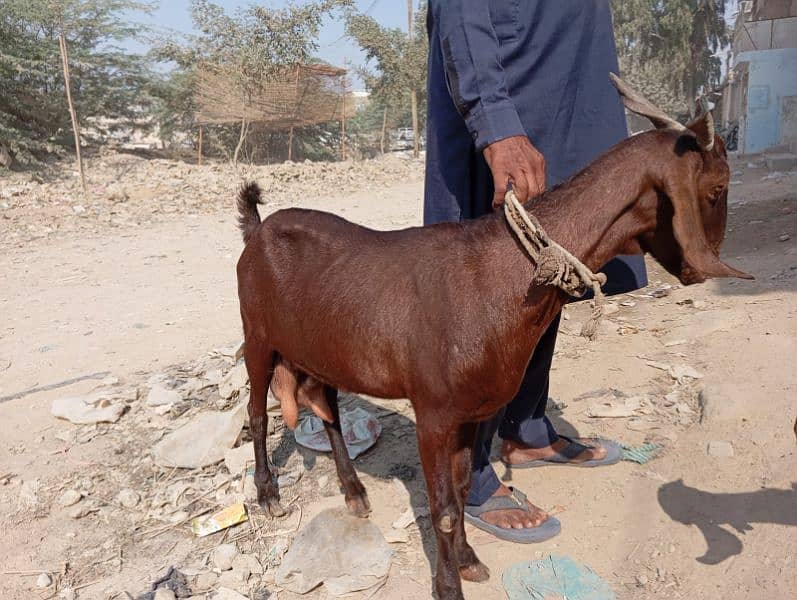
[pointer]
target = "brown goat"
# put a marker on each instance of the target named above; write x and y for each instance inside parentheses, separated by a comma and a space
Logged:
(445, 315)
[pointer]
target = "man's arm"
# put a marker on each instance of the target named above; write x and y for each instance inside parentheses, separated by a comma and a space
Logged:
(477, 84)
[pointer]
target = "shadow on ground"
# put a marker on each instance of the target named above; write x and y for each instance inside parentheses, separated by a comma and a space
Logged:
(395, 456)
(724, 518)
(755, 244)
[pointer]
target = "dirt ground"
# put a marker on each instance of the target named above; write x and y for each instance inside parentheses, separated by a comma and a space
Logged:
(134, 298)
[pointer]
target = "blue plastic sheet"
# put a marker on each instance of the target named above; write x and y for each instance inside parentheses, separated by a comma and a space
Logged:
(555, 577)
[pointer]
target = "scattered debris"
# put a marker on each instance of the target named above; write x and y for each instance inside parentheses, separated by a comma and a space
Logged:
(233, 381)
(613, 407)
(227, 517)
(285, 480)
(720, 449)
(173, 584)
(683, 372)
(128, 498)
(355, 555)
(83, 509)
(224, 593)
(223, 556)
(397, 536)
(164, 594)
(202, 441)
(554, 577)
(236, 459)
(409, 516)
(28, 498)
(160, 396)
(360, 431)
(69, 498)
(67, 593)
(641, 454)
(97, 407)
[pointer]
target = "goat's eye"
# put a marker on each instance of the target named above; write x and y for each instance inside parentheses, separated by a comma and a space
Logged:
(716, 194)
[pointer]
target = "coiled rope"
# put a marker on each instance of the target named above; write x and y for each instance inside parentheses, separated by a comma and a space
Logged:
(555, 265)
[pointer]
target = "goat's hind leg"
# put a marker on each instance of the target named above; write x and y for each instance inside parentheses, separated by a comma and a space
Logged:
(356, 496)
(260, 361)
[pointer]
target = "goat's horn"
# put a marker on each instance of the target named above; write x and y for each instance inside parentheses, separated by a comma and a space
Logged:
(636, 102)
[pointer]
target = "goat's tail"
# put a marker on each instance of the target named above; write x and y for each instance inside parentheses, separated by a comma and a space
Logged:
(248, 217)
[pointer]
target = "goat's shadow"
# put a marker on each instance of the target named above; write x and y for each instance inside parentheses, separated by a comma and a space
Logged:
(383, 461)
(739, 511)
(395, 456)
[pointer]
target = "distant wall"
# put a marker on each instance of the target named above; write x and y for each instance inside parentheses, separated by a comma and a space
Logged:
(771, 118)
(765, 35)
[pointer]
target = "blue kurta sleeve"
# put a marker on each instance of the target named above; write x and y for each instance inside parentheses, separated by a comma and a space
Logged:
(473, 68)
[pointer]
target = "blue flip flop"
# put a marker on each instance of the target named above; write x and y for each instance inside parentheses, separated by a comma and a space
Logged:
(514, 501)
(614, 454)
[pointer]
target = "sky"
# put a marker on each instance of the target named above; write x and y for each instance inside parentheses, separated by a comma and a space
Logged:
(334, 47)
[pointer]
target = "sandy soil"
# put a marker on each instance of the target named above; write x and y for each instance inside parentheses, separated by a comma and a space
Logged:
(137, 301)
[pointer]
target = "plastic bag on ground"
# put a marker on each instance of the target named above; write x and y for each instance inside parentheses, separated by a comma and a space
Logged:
(554, 577)
(360, 431)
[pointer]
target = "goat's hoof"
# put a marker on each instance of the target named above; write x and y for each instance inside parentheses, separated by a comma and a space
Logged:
(273, 507)
(477, 572)
(359, 505)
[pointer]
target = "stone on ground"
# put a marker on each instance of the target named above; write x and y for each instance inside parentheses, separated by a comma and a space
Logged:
(337, 549)
(202, 441)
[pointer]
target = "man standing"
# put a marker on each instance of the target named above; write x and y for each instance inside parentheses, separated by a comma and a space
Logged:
(519, 92)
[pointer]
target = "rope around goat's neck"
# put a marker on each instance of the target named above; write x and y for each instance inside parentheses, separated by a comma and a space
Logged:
(555, 265)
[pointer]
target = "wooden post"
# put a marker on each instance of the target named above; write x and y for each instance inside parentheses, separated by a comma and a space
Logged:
(72, 113)
(295, 108)
(384, 126)
(343, 117)
(413, 93)
(241, 139)
(199, 149)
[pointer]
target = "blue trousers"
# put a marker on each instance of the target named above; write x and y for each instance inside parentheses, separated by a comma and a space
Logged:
(499, 68)
(523, 420)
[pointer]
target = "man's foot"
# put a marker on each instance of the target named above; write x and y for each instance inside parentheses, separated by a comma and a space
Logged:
(531, 516)
(513, 453)
(509, 516)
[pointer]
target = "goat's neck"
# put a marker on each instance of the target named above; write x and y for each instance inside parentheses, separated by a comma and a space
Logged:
(596, 214)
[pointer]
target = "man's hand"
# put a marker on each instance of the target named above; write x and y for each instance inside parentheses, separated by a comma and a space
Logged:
(515, 159)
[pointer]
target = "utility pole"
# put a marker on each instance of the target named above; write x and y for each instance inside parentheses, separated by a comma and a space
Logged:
(413, 93)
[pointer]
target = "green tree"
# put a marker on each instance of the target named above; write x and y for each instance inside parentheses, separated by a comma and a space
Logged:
(398, 65)
(255, 45)
(667, 48)
(107, 82)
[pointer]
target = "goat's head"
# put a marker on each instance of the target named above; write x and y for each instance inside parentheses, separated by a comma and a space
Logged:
(692, 196)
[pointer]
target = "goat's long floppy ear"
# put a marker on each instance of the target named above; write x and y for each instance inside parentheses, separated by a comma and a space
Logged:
(703, 128)
(637, 103)
(688, 228)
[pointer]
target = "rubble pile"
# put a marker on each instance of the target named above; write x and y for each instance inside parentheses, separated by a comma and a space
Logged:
(125, 190)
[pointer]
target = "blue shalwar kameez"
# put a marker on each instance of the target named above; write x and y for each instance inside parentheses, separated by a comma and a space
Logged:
(499, 68)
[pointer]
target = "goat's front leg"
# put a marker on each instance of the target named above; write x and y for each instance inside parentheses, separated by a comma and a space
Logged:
(437, 443)
(260, 367)
(470, 567)
(356, 496)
